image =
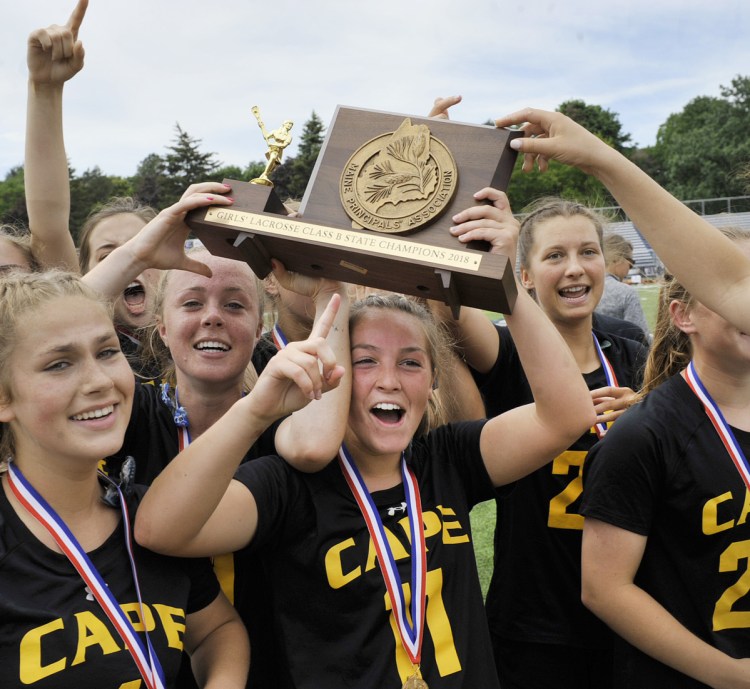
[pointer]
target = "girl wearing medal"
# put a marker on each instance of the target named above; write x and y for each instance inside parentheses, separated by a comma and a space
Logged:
(665, 543)
(542, 635)
(374, 581)
(81, 604)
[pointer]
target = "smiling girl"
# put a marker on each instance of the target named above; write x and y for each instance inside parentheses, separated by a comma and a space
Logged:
(542, 634)
(73, 600)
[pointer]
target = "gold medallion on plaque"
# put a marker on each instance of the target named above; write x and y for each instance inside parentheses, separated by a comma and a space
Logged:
(400, 181)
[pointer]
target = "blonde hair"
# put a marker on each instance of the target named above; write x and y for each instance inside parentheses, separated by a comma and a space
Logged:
(21, 293)
(438, 344)
(671, 349)
(20, 238)
(156, 354)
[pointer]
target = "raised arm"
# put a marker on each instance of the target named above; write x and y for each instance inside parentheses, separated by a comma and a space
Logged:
(711, 267)
(194, 507)
(521, 440)
(310, 438)
(54, 56)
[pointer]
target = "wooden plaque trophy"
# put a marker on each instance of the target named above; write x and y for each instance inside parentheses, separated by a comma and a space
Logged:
(377, 209)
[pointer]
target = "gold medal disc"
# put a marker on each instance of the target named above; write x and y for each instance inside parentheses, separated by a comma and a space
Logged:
(415, 682)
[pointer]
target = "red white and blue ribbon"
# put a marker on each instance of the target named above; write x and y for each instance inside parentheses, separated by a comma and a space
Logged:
(183, 438)
(411, 630)
(609, 374)
(719, 423)
(410, 626)
(279, 339)
(146, 660)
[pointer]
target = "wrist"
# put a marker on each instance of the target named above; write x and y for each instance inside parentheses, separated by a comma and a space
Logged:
(129, 259)
(45, 88)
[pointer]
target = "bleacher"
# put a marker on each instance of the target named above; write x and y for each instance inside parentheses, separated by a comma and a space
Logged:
(646, 261)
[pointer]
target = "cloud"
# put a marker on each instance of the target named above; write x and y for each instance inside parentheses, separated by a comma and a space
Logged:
(152, 64)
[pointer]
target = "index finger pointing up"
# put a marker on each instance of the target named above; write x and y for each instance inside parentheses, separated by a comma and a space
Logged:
(323, 326)
(76, 18)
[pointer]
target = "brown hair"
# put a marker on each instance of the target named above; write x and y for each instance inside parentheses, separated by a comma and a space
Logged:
(21, 293)
(671, 350)
(118, 205)
(616, 248)
(545, 209)
(438, 343)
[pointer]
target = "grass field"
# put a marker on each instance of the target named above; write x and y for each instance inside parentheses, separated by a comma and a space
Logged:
(483, 515)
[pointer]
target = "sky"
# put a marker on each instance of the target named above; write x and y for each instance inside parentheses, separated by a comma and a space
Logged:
(151, 64)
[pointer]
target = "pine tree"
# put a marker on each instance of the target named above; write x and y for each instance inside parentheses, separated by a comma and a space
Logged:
(307, 153)
(185, 165)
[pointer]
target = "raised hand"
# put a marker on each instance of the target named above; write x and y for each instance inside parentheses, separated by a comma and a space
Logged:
(299, 373)
(552, 135)
(493, 223)
(312, 287)
(55, 54)
(161, 242)
(441, 106)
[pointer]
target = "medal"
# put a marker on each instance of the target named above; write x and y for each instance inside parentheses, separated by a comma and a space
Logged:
(409, 620)
(144, 656)
(415, 682)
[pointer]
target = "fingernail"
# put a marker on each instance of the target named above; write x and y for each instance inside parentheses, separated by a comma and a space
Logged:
(229, 198)
(516, 144)
(227, 186)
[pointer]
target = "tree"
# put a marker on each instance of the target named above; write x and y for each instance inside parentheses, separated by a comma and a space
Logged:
(185, 165)
(598, 120)
(704, 149)
(90, 190)
(149, 180)
(307, 154)
(565, 181)
(13, 199)
(738, 93)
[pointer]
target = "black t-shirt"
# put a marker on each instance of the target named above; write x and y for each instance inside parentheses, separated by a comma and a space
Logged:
(54, 634)
(663, 472)
(330, 598)
(535, 590)
(619, 327)
(152, 439)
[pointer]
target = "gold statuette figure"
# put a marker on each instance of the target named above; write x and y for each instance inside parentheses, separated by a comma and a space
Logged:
(277, 141)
